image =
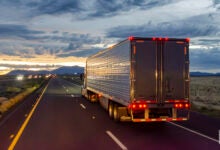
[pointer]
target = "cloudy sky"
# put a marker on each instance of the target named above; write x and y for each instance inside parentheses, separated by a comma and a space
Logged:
(45, 34)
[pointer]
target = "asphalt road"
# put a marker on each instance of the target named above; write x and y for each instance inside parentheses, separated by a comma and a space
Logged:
(60, 119)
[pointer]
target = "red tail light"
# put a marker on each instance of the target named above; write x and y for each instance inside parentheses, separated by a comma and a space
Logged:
(138, 106)
(181, 105)
(186, 105)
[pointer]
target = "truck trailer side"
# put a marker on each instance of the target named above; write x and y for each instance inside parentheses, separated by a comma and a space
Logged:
(141, 79)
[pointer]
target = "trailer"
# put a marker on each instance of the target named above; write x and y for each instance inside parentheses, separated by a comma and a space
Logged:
(141, 79)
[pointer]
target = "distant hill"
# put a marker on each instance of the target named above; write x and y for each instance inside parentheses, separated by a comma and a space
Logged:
(61, 70)
(68, 70)
(26, 72)
(199, 74)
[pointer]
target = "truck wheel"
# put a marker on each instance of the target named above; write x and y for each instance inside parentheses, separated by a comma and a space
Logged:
(110, 109)
(116, 113)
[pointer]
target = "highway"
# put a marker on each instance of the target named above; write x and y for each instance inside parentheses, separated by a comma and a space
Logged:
(56, 117)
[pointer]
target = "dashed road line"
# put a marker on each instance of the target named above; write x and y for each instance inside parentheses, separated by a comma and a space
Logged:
(195, 132)
(116, 140)
(83, 106)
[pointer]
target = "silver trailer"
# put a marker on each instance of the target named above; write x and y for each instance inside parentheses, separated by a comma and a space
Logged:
(141, 79)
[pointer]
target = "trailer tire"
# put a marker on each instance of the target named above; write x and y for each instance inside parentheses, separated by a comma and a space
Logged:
(110, 109)
(116, 116)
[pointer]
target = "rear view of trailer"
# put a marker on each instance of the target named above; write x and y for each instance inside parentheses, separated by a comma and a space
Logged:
(141, 79)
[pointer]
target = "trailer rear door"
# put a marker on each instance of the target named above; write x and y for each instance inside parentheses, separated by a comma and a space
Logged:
(175, 70)
(161, 70)
(145, 67)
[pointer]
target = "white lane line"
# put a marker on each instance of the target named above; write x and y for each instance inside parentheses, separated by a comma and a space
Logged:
(117, 141)
(200, 134)
(76, 84)
(83, 106)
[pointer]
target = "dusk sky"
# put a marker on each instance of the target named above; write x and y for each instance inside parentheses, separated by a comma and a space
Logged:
(45, 34)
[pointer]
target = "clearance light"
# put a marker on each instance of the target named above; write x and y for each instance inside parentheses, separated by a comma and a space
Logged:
(130, 38)
(187, 39)
(166, 39)
(154, 39)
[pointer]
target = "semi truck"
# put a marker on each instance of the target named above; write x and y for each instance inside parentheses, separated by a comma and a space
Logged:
(141, 79)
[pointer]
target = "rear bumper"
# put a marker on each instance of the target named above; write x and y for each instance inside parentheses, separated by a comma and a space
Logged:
(159, 119)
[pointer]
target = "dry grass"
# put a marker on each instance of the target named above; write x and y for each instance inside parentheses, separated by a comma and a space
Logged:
(205, 95)
(6, 105)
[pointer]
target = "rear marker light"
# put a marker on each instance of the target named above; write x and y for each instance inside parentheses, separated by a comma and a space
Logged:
(187, 39)
(130, 38)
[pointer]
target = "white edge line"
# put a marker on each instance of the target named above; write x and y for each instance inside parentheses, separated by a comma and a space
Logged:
(84, 107)
(122, 146)
(200, 134)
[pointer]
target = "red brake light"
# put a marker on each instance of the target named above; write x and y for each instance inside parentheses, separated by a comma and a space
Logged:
(176, 105)
(187, 105)
(154, 39)
(160, 38)
(138, 106)
(181, 105)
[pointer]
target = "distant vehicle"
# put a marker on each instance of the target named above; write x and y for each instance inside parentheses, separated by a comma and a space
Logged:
(141, 79)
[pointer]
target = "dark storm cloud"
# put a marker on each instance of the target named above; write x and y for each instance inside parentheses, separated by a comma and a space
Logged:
(205, 58)
(105, 8)
(81, 53)
(184, 28)
(17, 31)
(13, 31)
(44, 42)
(54, 6)
(216, 4)
(82, 9)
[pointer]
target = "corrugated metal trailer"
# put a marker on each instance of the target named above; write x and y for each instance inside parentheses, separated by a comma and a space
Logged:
(141, 79)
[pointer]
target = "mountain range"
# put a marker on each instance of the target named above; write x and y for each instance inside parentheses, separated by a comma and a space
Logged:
(60, 71)
(78, 70)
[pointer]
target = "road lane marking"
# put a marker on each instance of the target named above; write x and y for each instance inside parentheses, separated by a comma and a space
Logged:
(18, 135)
(218, 136)
(116, 140)
(195, 132)
(12, 136)
(83, 106)
(76, 84)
